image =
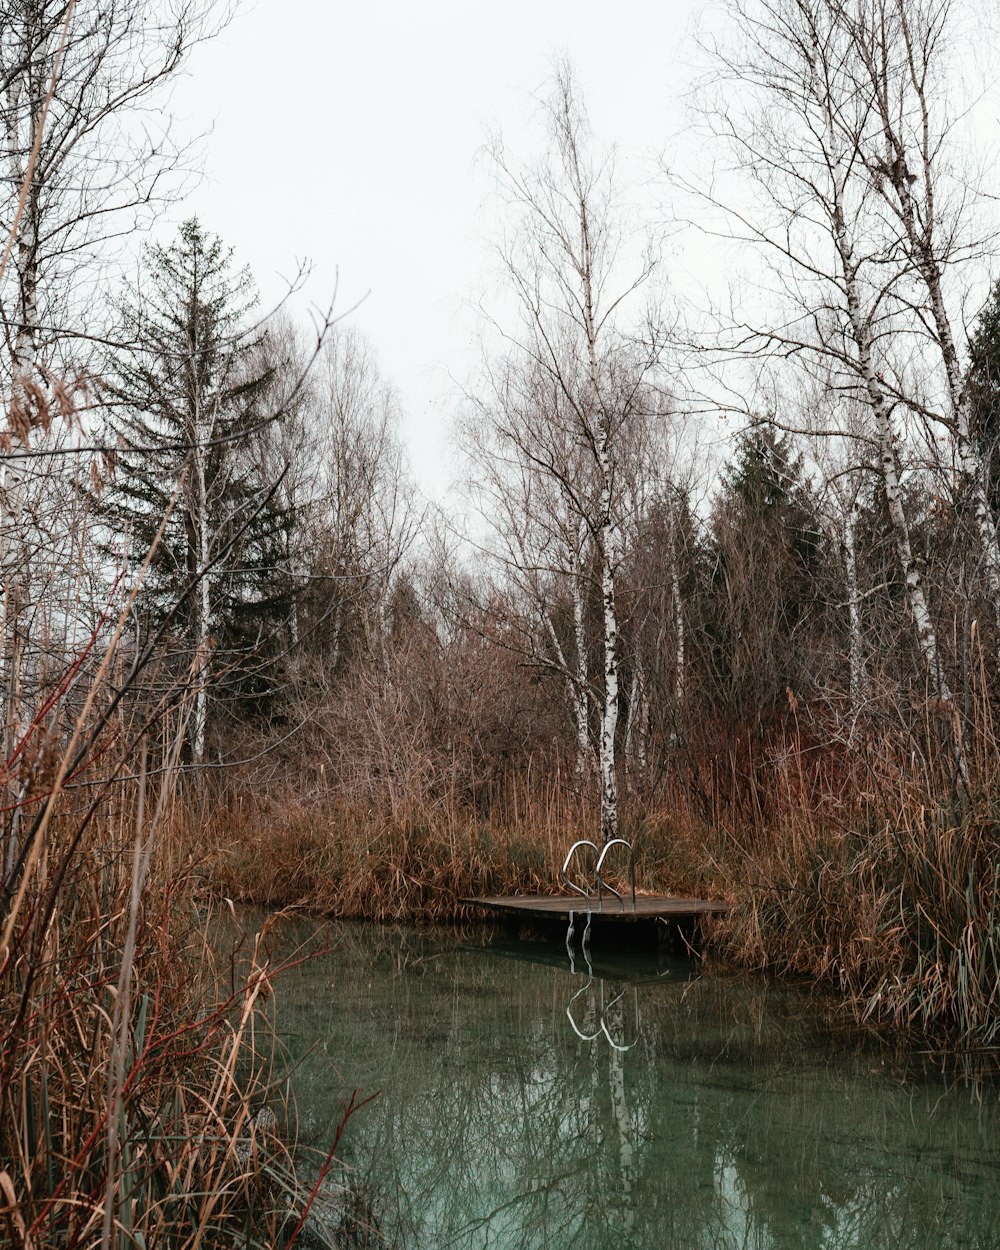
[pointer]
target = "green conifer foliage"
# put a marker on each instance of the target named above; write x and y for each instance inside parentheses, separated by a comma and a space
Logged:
(766, 556)
(190, 398)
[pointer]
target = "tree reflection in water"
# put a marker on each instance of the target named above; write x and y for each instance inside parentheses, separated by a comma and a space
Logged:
(666, 1111)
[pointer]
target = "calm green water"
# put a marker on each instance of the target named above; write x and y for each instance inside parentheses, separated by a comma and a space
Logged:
(692, 1112)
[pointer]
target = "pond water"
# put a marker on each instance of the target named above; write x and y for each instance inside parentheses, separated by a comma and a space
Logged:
(526, 1103)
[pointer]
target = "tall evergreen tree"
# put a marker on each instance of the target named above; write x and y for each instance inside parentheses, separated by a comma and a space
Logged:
(186, 399)
(766, 555)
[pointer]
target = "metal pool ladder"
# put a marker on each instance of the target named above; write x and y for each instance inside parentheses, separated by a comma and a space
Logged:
(598, 883)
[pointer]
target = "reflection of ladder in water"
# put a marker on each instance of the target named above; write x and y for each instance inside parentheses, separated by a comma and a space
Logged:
(600, 886)
(603, 1010)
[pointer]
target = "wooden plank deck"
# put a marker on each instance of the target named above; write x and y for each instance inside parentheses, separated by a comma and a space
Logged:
(558, 906)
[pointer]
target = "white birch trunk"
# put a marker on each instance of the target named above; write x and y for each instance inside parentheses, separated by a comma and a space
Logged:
(584, 755)
(608, 543)
(203, 615)
(14, 511)
(633, 739)
(637, 726)
(927, 640)
(920, 225)
(202, 527)
(609, 718)
(971, 470)
(854, 612)
(677, 604)
(881, 408)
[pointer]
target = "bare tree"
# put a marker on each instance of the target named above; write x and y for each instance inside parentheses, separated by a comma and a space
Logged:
(525, 459)
(86, 155)
(792, 115)
(356, 505)
(82, 127)
(901, 52)
(656, 632)
(569, 404)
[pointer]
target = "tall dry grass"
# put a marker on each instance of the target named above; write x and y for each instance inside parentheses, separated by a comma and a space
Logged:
(897, 907)
(869, 873)
(408, 862)
(135, 1061)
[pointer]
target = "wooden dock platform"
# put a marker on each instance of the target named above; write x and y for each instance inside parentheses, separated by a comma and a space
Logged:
(558, 907)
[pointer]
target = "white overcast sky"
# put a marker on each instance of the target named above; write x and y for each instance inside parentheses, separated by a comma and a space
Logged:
(349, 135)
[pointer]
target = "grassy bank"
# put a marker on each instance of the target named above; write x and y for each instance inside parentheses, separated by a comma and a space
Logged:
(900, 913)
(888, 898)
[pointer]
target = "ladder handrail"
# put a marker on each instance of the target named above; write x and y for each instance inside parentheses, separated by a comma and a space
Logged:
(572, 851)
(584, 1037)
(603, 1012)
(602, 884)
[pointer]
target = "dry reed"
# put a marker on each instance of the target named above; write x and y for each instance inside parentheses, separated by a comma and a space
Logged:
(853, 875)
(133, 1064)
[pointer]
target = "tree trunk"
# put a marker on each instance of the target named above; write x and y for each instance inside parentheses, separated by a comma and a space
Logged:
(609, 718)
(878, 401)
(854, 613)
(584, 754)
(927, 640)
(608, 543)
(918, 214)
(637, 728)
(677, 605)
(201, 663)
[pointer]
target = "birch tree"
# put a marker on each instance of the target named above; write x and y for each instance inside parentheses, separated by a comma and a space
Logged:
(87, 151)
(658, 584)
(899, 56)
(592, 377)
(790, 113)
(86, 156)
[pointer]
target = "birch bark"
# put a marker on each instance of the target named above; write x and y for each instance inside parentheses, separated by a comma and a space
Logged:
(899, 56)
(15, 554)
(608, 549)
(881, 409)
(854, 611)
(202, 425)
(677, 604)
(581, 684)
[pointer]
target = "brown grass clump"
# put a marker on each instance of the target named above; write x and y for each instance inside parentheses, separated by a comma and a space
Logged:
(413, 862)
(899, 911)
(336, 858)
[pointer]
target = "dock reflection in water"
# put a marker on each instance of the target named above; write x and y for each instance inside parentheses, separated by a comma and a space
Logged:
(624, 1104)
